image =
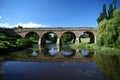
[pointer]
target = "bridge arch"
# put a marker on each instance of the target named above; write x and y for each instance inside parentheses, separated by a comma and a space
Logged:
(49, 36)
(90, 34)
(69, 35)
(18, 36)
(33, 36)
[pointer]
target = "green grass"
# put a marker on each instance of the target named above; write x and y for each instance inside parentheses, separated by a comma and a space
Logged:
(85, 40)
(84, 46)
(96, 48)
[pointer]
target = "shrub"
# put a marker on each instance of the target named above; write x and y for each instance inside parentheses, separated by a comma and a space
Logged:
(24, 42)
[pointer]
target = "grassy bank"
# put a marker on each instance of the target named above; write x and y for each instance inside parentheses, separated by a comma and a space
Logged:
(94, 47)
(7, 46)
(10, 43)
(84, 46)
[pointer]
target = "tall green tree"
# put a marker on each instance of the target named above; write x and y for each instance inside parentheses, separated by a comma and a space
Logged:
(114, 4)
(110, 11)
(103, 14)
(112, 8)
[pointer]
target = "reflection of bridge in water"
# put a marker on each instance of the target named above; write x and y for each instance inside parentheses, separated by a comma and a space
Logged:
(52, 54)
(62, 57)
(1, 70)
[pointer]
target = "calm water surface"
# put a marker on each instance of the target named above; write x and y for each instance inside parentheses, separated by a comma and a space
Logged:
(50, 63)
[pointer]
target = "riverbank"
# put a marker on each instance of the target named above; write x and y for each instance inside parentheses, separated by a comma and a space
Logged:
(84, 46)
(9, 49)
(19, 44)
(94, 47)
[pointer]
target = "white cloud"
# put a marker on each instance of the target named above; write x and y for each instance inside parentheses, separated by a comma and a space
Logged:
(4, 25)
(30, 25)
(27, 25)
(0, 17)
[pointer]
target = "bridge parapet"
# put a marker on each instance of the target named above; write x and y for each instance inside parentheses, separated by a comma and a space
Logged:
(54, 29)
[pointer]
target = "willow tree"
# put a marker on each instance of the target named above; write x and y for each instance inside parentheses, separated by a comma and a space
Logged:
(108, 31)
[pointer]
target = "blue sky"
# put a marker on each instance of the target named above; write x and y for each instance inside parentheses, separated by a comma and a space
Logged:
(51, 13)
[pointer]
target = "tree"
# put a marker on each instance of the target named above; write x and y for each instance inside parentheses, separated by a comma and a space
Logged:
(112, 8)
(114, 4)
(103, 14)
(108, 31)
(110, 12)
(53, 38)
(66, 37)
(20, 27)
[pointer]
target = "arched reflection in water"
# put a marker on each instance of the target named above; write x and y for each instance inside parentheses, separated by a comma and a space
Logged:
(1, 71)
(68, 52)
(52, 51)
(34, 53)
(86, 53)
(49, 50)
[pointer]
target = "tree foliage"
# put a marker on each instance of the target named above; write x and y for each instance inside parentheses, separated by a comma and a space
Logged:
(114, 4)
(3, 36)
(53, 38)
(66, 38)
(110, 12)
(85, 35)
(24, 42)
(108, 31)
(107, 14)
(103, 14)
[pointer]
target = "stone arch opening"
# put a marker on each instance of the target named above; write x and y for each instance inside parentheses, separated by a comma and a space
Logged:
(18, 36)
(49, 37)
(32, 36)
(87, 37)
(68, 38)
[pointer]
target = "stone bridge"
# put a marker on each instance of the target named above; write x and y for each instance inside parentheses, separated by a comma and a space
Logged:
(76, 31)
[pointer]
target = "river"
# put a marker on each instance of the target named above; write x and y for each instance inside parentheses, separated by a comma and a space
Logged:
(51, 63)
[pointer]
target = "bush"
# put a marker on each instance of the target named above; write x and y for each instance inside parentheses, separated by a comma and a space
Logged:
(3, 37)
(24, 42)
(118, 42)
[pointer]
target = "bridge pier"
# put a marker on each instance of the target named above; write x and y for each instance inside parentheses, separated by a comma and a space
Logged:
(58, 44)
(77, 40)
(41, 41)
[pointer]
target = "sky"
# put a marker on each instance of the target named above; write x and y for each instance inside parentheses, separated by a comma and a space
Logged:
(51, 13)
